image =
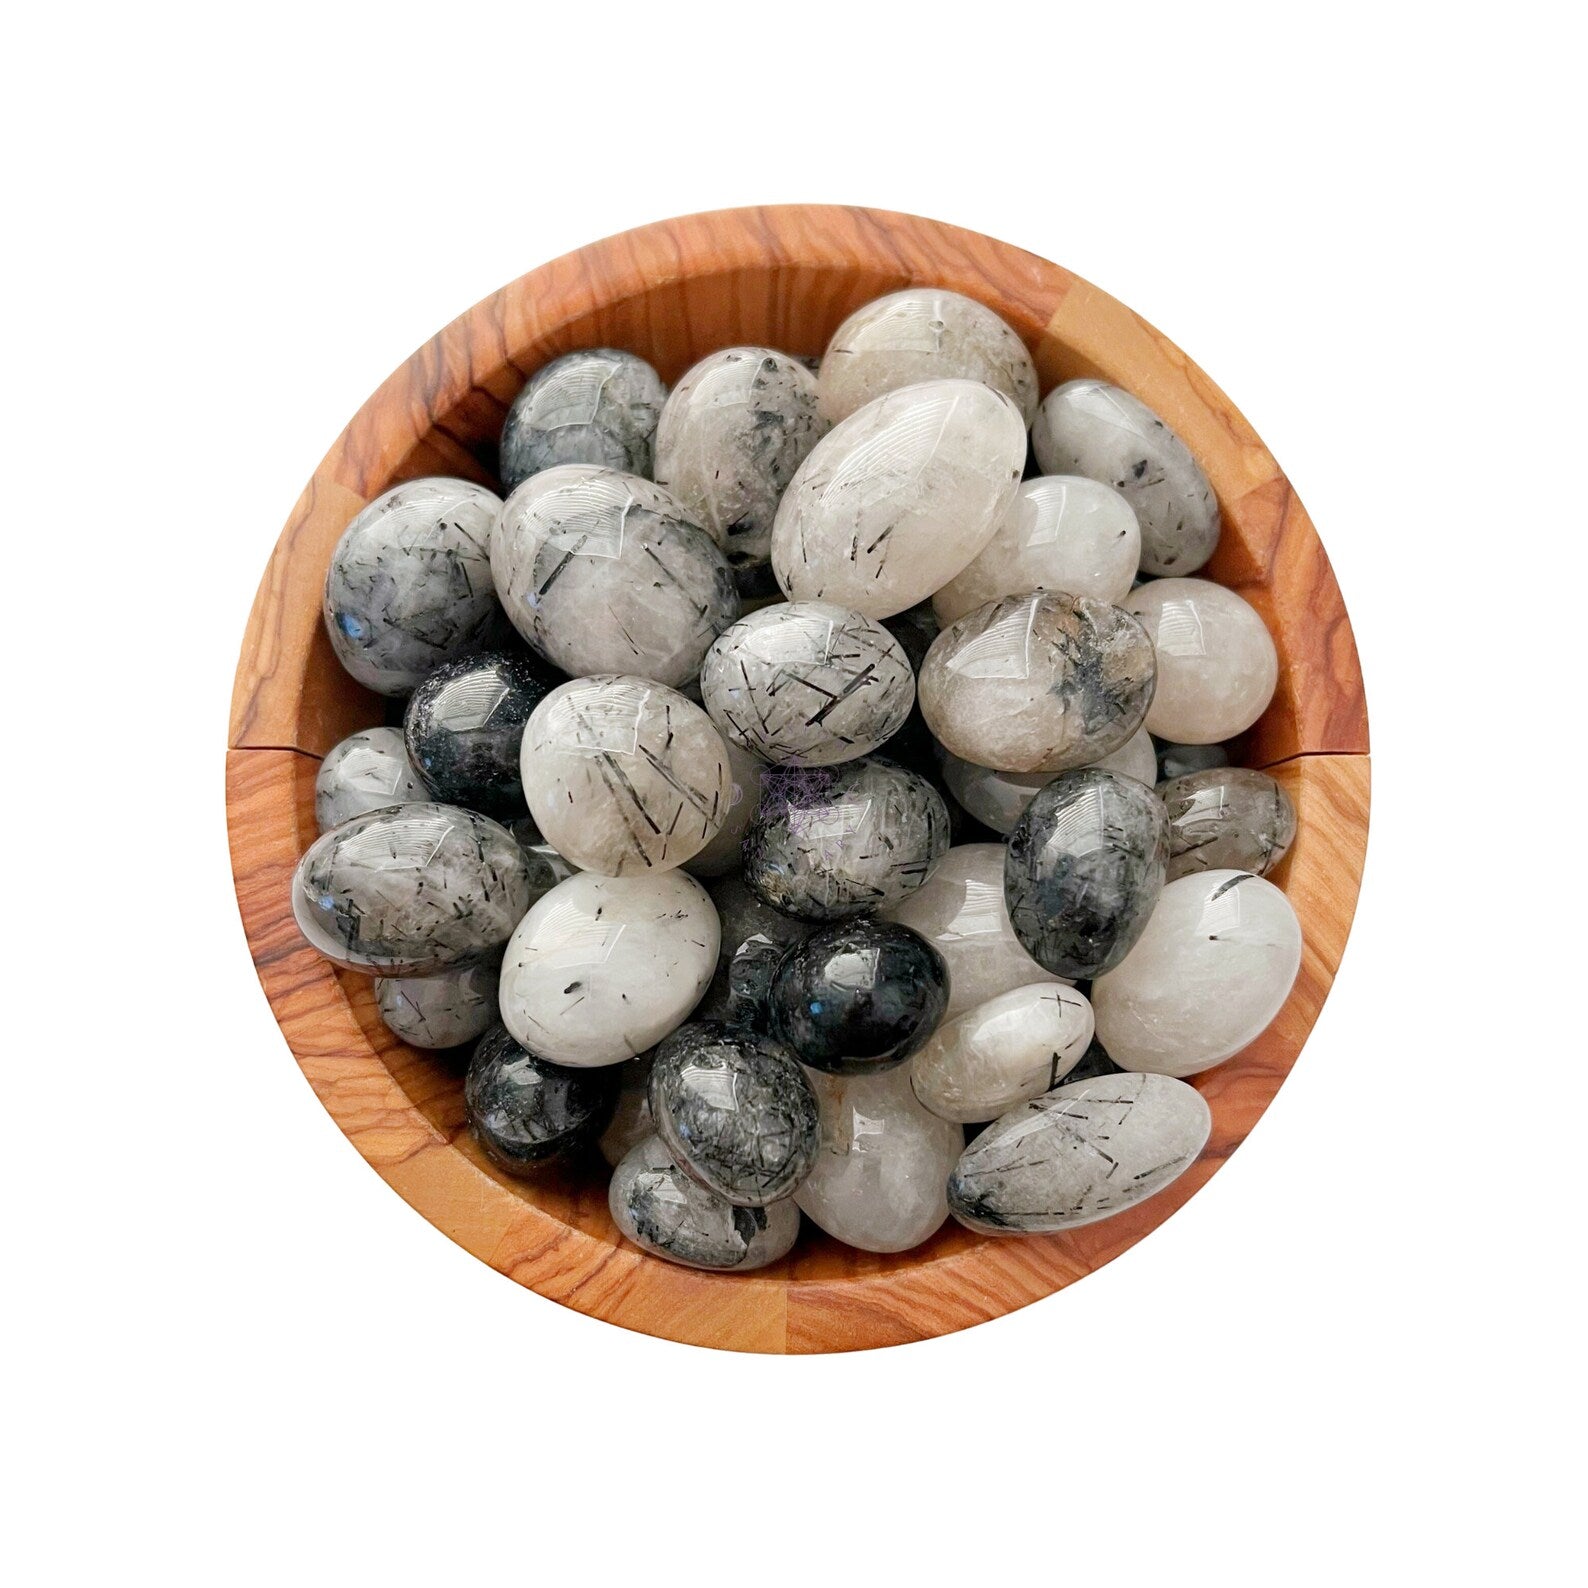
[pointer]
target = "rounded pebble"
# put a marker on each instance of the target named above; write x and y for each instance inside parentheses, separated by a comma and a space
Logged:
(439, 1011)
(1227, 818)
(367, 771)
(525, 1111)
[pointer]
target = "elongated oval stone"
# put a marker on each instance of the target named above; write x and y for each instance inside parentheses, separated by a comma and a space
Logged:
(602, 968)
(1012, 1048)
(807, 683)
(878, 1183)
(624, 775)
(411, 890)
(724, 852)
(732, 434)
(658, 1207)
(409, 585)
(1064, 532)
(924, 334)
(440, 1011)
(1227, 818)
(525, 1111)
(631, 1117)
(367, 771)
(897, 499)
(1038, 683)
(1084, 867)
(1214, 966)
(1090, 427)
(1217, 666)
(1078, 1154)
(605, 573)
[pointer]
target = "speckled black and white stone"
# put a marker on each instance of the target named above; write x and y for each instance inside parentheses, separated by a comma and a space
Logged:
(440, 1011)
(754, 939)
(1078, 1154)
(367, 771)
(733, 432)
(525, 1111)
(829, 843)
(807, 683)
(464, 725)
(605, 573)
(735, 1111)
(1084, 866)
(1177, 760)
(859, 997)
(410, 586)
(631, 1118)
(411, 891)
(597, 406)
(658, 1207)
(1090, 427)
(1228, 817)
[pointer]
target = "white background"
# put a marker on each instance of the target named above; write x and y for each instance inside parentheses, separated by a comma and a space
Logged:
(235, 1356)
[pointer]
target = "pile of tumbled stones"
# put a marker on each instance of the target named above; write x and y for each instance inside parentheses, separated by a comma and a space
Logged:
(804, 801)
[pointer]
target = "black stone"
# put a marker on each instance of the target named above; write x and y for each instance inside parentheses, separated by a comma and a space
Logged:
(525, 1111)
(1094, 1062)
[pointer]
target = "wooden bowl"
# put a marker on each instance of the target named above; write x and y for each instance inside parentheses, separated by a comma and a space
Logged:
(783, 277)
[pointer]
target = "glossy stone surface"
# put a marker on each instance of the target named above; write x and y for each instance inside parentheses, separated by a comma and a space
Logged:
(833, 842)
(1078, 1154)
(724, 852)
(897, 499)
(878, 1183)
(732, 434)
(606, 573)
(1089, 427)
(735, 1111)
(631, 1117)
(922, 334)
(754, 938)
(596, 406)
(411, 890)
(1214, 966)
(1084, 866)
(524, 1111)
(1038, 683)
(1217, 666)
(464, 725)
(1176, 760)
(440, 1011)
(409, 585)
(859, 997)
(658, 1207)
(602, 968)
(1002, 1052)
(1227, 818)
(807, 683)
(367, 771)
(1063, 532)
(962, 914)
(624, 776)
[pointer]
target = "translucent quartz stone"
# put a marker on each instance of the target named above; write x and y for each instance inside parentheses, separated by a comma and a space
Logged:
(631, 1118)
(1078, 1154)
(1089, 427)
(725, 852)
(832, 842)
(879, 1177)
(1214, 966)
(754, 938)
(525, 1111)
(605, 573)
(1037, 683)
(624, 776)
(1227, 818)
(596, 406)
(1064, 532)
(603, 968)
(1083, 869)
(735, 1111)
(658, 1207)
(897, 499)
(961, 913)
(464, 724)
(731, 436)
(807, 683)
(1002, 1052)
(1176, 760)
(1217, 666)
(921, 334)
(367, 771)
(411, 890)
(409, 585)
(440, 1011)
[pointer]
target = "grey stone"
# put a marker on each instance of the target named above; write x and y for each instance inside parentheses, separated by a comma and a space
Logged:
(367, 771)
(525, 1111)
(440, 1011)
(1227, 817)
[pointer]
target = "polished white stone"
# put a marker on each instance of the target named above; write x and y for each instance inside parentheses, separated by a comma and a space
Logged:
(367, 771)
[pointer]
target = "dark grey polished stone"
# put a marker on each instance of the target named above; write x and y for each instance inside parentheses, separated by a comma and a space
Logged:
(754, 939)
(525, 1111)
(1227, 818)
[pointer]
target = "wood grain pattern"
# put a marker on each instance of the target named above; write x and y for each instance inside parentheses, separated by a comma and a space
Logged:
(672, 293)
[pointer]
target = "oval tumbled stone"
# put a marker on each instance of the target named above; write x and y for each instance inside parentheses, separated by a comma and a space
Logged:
(367, 771)
(440, 1011)
(1227, 818)
(1078, 1154)
(525, 1111)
